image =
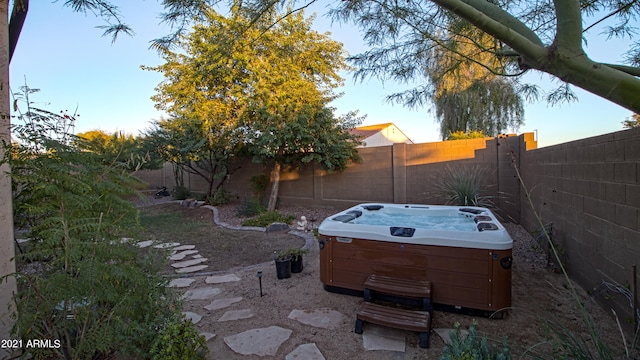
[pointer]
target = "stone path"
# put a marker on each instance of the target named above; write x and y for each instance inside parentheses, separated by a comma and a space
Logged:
(265, 341)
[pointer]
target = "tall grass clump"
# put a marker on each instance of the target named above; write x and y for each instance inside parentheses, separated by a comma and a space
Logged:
(472, 346)
(462, 186)
(93, 295)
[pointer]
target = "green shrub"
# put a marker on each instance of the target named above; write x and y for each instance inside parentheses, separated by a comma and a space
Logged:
(259, 185)
(221, 197)
(181, 193)
(462, 186)
(95, 294)
(267, 218)
(179, 340)
(473, 347)
(250, 207)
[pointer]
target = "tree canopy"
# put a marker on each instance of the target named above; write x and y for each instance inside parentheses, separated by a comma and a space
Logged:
(547, 36)
(258, 84)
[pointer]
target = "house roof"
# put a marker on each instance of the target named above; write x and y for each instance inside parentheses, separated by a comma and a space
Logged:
(369, 130)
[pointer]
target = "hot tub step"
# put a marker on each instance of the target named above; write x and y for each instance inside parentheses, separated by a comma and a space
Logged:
(411, 320)
(399, 288)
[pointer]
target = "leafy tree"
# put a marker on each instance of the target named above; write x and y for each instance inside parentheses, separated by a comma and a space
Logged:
(461, 135)
(92, 292)
(127, 150)
(631, 122)
(287, 120)
(257, 84)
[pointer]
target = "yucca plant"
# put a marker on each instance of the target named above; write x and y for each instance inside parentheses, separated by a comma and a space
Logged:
(462, 186)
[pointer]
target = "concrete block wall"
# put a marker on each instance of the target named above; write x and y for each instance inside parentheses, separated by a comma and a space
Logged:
(590, 191)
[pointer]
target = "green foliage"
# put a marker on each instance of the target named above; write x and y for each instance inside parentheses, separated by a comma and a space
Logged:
(94, 292)
(296, 252)
(462, 185)
(250, 207)
(461, 135)
(473, 347)
(259, 185)
(181, 193)
(221, 197)
(267, 218)
(631, 122)
(179, 340)
(125, 149)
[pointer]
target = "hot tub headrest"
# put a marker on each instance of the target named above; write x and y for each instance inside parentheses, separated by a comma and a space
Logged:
(356, 213)
(479, 218)
(372, 207)
(344, 218)
(470, 210)
(487, 226)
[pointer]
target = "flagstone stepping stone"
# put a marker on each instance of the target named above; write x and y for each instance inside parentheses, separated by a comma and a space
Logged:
(306, 352)
(187, 263)
(181, 282)
(196, 256)
(200, 293)
(261, 342)
(144, 244)
(219, 279)
(195, 318)
(222, 303)
(191, 269)
(182, 254)
(321, 318)
(166, 245)
(208, 336)
(445, 334)
(236, 315)
(379, 338)
(184, 247)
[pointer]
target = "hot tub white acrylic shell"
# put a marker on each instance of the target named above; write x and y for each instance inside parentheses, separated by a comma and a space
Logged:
(497, 239)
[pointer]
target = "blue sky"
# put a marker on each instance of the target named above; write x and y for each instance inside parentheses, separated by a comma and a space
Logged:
(63, 54)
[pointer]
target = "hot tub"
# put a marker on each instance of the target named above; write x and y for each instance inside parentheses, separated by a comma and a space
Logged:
(464, 251)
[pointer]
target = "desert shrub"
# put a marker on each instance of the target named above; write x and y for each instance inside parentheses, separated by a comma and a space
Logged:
(250, 207)
(461, 135)
(473, 347)
(220, 197)
(259, 185)
(181, 193)
(178, 340)
(462, 186)
(267, 218)
(95, 293)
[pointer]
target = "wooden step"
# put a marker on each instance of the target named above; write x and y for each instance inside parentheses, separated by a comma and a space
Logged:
(403, 288)
(412, 320)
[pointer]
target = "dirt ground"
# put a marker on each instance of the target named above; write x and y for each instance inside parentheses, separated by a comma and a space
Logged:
(539, 295)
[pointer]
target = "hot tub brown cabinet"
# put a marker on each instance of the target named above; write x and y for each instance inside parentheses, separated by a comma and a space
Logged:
(462, 277)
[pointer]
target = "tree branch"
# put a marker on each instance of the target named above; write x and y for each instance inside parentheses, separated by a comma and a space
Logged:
(631, 70)
(501, 25)
(568, 24)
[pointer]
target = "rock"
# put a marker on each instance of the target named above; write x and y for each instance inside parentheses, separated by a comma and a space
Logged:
(181, 282)
(236, 315)
(261, 342)
(219, 279)
(222, 303)
(188, 203)
(306, 352)
(277, 227)
(201, 293)
(195, 318)
(187, 263)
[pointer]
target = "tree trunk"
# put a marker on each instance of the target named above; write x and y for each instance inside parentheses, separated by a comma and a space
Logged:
(7, 252)
(273, 198)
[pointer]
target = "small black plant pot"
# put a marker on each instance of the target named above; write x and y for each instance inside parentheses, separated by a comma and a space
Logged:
(296, 264)
(283, 268)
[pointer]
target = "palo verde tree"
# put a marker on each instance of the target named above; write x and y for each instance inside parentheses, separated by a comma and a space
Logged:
(547, 36)
(287, 120)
